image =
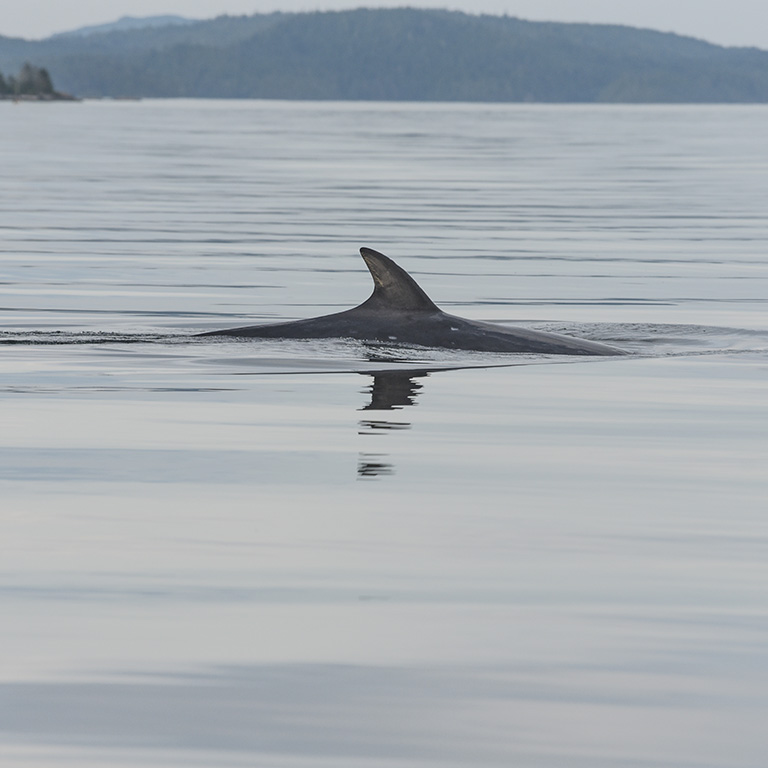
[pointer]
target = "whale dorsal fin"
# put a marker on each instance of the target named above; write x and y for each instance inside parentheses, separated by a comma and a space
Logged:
(393, 287)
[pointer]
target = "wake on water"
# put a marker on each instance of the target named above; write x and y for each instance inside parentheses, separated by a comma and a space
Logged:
(636, 339)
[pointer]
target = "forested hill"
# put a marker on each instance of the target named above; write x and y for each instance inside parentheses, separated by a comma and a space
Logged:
(396, 54)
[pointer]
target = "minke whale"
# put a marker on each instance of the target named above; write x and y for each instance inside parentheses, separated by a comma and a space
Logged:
(399, 311)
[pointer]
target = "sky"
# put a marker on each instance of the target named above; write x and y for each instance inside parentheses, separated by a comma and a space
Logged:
(727, 22)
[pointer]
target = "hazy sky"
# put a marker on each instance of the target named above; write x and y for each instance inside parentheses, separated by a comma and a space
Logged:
(728, 22)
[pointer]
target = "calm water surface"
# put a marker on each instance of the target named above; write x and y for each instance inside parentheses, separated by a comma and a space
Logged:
(315, 554)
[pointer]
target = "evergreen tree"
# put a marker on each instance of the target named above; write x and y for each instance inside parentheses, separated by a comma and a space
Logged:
(33, 81)
(45, 82)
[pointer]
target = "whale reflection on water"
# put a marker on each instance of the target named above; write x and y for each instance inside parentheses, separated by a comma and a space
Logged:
(388, 391)
(391, 390)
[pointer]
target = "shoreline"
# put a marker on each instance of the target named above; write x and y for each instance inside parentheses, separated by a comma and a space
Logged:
(56, 96)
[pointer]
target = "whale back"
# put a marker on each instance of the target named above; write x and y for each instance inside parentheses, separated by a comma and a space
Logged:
(393, 287)
(399, 310)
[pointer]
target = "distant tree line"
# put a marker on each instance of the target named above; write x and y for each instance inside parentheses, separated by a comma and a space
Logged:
(30, 82)
(394, 54)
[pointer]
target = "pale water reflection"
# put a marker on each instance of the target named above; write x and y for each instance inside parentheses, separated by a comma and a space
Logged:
(322, 554)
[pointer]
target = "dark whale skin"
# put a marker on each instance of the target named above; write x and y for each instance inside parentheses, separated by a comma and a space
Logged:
(399, 311)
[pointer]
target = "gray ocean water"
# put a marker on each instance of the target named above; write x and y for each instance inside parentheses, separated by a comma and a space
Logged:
(316, 554)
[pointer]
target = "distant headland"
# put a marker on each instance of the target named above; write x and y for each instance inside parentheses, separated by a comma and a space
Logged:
(31, 84)
(392, 54)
